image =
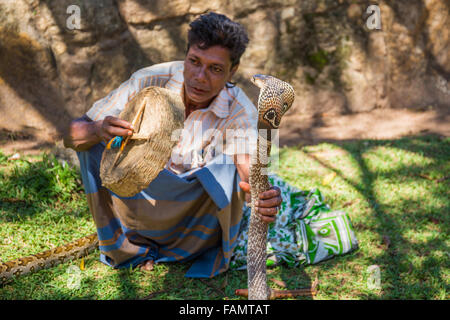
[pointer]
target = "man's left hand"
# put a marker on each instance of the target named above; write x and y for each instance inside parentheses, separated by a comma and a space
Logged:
(268, 201)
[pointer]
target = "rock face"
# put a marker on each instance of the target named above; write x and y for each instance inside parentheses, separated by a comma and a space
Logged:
(329, 50)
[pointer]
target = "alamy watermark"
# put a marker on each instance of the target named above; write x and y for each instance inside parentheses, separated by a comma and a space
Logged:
(230, 142)
(74, 277)
(74, 20)
(374, 277)
(374, 20)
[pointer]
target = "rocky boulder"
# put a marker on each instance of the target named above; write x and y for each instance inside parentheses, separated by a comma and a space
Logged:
(338, 63)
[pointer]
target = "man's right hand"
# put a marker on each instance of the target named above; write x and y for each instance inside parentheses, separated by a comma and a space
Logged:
(111, 126)
(83, 133)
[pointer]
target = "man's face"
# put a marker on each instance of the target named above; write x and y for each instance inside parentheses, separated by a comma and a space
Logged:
(205, 74)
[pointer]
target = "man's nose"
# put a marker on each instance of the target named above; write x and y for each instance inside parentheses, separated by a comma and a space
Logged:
(201, 74)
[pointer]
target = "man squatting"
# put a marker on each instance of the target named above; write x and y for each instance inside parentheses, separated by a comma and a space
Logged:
(203, 79)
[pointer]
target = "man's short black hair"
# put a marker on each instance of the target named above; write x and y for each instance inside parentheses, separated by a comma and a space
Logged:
(213, 29)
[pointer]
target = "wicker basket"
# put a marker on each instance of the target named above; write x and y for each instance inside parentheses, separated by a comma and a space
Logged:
(159, 116)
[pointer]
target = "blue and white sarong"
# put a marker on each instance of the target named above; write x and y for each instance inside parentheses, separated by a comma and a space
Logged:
(196, 214)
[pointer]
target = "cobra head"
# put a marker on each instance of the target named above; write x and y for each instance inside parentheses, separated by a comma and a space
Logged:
(275, 99)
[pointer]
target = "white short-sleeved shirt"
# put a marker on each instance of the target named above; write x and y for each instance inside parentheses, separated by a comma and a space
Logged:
(227, 126)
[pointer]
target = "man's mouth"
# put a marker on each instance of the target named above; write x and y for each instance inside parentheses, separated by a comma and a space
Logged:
(197, 90)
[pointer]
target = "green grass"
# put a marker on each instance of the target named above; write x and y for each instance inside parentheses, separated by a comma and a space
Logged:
(397, 193)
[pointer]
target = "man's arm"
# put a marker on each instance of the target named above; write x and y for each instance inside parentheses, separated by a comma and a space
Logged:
(83, 133)
(269, 200)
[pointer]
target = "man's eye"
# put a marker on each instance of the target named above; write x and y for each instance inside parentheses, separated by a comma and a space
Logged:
(217, 70)
(194, 61)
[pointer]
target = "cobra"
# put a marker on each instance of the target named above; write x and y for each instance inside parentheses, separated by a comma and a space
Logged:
(275, 98)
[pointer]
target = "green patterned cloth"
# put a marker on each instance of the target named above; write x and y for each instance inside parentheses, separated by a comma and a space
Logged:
(306, 230)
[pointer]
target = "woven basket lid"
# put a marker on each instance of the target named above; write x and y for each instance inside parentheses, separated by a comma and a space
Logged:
(157, 130)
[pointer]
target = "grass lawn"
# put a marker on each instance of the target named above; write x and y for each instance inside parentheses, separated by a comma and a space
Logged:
(397, 193)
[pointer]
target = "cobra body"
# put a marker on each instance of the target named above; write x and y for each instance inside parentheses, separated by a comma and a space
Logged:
(275, 98)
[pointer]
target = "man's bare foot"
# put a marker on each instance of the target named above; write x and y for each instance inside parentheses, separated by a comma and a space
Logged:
(147, 265)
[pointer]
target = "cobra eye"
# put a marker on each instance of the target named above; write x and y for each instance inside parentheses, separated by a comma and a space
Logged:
(285, 106)
(270, 115)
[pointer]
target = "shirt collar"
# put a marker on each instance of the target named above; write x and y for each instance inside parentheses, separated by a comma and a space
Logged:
(221, 104)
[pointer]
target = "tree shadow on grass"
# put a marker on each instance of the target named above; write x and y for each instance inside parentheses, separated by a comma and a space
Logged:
(412, 267)
(31, 188)
(394, 223)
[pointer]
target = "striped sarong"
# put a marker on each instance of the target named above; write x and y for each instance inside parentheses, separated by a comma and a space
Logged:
(194, 215)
